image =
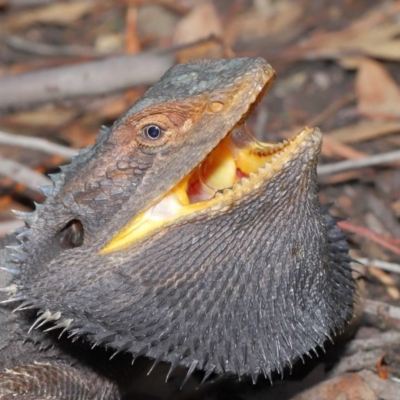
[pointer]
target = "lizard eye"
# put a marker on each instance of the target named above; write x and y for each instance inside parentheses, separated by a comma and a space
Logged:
(152, 132)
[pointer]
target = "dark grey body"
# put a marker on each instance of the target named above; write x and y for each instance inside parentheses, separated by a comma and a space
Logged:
(245, 289)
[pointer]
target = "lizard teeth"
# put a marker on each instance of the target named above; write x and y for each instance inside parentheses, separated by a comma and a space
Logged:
(252, 175)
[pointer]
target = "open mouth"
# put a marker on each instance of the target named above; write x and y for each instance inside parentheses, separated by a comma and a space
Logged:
(231, 168)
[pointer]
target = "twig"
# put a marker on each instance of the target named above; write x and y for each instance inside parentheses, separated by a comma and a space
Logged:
(37, 144)
(19, 173)
(365, 232)
(29, 3)
(44, 49)
(370, 161)
(380, 308)
(356, 362)
(386, 266)
(389, 338)
(26, 3)
(90, 78)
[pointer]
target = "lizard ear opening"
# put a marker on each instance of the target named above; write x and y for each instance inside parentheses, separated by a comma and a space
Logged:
(72, 235)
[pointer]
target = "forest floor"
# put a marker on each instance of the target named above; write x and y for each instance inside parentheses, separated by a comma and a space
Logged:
(338, 68)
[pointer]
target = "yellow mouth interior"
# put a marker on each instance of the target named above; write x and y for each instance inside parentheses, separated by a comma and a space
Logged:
(236, 157)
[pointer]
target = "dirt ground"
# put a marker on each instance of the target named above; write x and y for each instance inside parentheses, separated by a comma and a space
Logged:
(338, 68)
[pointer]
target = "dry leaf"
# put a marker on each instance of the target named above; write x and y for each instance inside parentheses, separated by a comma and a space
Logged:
(385, 389)
(155, 22)
(265, 19)
(374, 34)
(200, 23)
(389, 50)
(381, 369)
(132, 45)
(109, 43)
(59, 13)
(377, 92)
(346, 387)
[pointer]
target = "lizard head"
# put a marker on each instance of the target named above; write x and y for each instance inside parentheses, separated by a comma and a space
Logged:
(180, 237)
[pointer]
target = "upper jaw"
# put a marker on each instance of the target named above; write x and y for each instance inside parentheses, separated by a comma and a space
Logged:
(210, 125)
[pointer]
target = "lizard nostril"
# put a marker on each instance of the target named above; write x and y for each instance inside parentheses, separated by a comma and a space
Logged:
(71, 235)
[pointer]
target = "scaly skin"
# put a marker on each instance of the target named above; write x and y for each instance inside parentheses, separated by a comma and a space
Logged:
(245, 285)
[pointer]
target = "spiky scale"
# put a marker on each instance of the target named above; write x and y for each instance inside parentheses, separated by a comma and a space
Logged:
(121, 348)
(82, 331)
(63, 324)
(174, 364)
(47, 190)
(207, 373)
(55, 177)
(13, 271)
(254, 377)
(155, 363)
(64, 168)
(268, 375)
(144, 350)
(19, 297)
(16, 248)
(104, 338)
(43, 317)
(26, 305)
(53, 317)
(104, 130)
(11, 289)
(18, 257)
(29, 218)
(190, 371)
(25, 233)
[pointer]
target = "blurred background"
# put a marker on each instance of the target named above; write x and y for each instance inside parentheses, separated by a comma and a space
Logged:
(69, 67)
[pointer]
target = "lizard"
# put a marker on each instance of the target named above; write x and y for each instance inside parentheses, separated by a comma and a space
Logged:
(179, 237)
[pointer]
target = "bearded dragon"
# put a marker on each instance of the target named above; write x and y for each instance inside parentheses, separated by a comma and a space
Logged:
(179, 237)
